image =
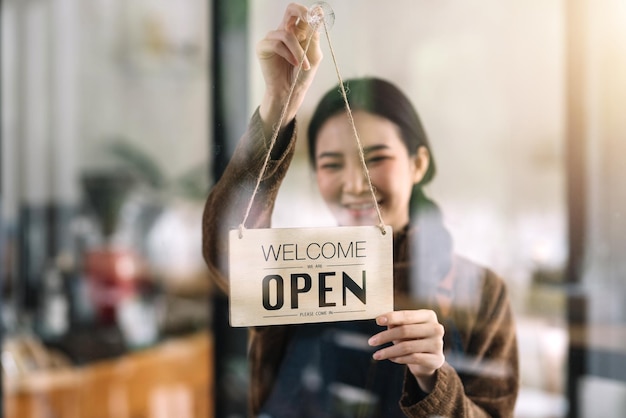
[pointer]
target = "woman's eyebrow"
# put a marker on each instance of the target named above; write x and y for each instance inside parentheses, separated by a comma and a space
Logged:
(373, 148)
(330, 154)
(367, 150)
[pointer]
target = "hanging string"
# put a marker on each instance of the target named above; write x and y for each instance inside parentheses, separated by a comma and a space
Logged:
(275, 133)
(314, 20)
(344, 94)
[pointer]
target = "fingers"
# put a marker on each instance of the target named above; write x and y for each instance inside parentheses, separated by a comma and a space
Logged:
(295, 22)
(413, 352)
(417, 339)
(283, 44)
(407, 317)
(289, 39)
(409, 332)
(425, 363)
(295, 14)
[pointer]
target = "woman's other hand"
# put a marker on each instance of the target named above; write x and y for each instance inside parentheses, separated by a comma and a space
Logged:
(417, 338)
(279, 55)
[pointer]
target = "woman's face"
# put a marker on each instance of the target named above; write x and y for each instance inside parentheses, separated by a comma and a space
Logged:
(393, 172)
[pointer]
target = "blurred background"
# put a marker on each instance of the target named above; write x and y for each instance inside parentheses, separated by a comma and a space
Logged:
(119, 115)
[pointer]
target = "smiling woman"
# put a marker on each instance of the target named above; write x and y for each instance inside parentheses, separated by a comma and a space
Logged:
(435, 290)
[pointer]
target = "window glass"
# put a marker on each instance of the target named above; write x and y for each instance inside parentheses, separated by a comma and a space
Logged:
(105, 167)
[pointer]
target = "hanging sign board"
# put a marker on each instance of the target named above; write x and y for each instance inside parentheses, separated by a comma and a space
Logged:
(303, 275)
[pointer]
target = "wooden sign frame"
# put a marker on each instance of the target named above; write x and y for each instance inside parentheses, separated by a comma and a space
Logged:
(305, 275)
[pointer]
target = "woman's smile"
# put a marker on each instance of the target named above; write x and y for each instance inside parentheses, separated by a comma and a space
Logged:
(365, 210)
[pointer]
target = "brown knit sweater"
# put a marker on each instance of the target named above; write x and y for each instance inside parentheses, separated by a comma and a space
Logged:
(480, 376)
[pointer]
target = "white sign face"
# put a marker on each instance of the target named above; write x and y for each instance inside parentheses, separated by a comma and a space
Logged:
(303, 275)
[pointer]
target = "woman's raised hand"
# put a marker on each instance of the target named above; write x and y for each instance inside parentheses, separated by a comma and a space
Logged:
(417, 338)
(279, 54)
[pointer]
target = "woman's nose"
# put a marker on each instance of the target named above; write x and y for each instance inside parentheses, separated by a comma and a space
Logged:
(354, 180)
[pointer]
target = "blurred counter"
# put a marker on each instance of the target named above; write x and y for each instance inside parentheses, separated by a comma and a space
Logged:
(171, 379)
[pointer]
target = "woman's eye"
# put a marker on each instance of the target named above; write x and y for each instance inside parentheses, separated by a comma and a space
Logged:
(330, 166)
(376, 159)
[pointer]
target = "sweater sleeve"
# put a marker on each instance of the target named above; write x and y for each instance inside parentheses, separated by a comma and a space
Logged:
(228, 200)
(483, 381)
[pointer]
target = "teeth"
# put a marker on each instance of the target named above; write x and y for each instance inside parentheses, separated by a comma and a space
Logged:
(361, 206)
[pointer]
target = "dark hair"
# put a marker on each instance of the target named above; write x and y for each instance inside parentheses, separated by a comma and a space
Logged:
(382, 98)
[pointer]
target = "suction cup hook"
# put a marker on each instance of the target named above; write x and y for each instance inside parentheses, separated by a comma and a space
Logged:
(320, 14)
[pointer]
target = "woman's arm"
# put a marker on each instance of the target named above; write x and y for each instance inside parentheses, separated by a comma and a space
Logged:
(484, 381)
(226, 205)
(279, 55)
